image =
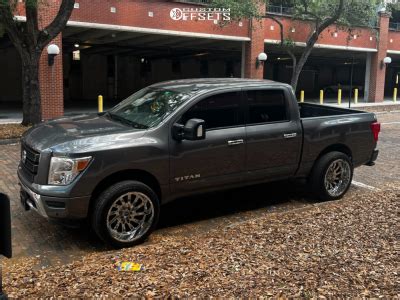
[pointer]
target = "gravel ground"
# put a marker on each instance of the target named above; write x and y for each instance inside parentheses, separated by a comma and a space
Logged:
(344, 248)
(274, 244)
(8, 131)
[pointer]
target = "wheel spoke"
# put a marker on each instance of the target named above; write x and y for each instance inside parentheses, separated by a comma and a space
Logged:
(131, 227)
(113, 220)
(130, 216)
(112, 214)
(337, 177)
(139, 207)
(117, 225)
(137, 221)
(135, 201)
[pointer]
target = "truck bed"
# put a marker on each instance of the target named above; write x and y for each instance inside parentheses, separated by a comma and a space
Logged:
(337, 128)
(308, 110)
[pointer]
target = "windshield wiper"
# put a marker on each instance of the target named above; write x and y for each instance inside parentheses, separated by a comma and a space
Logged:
(126, 121)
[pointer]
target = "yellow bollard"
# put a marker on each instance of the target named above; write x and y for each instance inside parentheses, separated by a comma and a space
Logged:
(321, 97)
(395, 95)
(355, 96)
(100, 103)
(301, 96)
(339, 97)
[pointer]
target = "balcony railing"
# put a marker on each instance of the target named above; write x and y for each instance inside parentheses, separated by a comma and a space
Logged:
(199, 2)
(279, 10)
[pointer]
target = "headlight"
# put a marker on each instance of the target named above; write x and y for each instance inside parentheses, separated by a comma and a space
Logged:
(64, 170)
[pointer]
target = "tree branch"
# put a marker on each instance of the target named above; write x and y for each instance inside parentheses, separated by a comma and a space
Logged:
(293, 57)
(32, 26)
(277, 22)
(10, 25)
(319, 27)
(332, 19)
(59, 22)
(306, 12)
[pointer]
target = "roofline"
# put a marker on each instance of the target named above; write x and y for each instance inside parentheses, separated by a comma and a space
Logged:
(326, 46)
(124, 28)
(236, 83)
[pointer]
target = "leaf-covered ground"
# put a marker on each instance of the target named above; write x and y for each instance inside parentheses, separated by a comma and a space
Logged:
(343, 248)
(9, 131)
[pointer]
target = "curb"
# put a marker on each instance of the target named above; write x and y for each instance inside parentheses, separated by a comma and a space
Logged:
(9, 141)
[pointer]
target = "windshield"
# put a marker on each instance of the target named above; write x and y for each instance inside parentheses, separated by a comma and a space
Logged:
(148, 107)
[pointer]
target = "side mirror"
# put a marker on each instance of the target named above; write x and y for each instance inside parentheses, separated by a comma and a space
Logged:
(193, 130)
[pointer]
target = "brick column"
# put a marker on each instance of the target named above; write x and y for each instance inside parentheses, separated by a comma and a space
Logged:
(51, 77)
(377, 73)
(253, 48)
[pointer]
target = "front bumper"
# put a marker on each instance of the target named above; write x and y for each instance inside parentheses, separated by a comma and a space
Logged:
(54, 207)
(32, 200)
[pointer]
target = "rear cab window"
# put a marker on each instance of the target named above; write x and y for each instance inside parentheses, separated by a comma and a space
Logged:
(266, 106)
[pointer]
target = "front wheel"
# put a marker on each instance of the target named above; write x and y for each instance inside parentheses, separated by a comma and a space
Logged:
(125, 214)
(331, 176)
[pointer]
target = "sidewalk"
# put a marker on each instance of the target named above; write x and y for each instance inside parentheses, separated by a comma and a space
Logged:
(14, 115)
(386, 105)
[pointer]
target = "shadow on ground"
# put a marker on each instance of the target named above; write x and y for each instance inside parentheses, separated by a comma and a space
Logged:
(223, 204)
(240, 203)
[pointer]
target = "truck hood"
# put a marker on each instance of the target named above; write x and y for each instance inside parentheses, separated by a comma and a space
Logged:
(76, 134)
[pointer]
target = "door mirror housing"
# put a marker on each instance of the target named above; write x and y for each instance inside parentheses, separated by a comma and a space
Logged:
(193, 130)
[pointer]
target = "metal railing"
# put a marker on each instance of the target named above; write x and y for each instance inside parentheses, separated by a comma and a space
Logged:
(279, 10)
(394, 26)
(200, 2)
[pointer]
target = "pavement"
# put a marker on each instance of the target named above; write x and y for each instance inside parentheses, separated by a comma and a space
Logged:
(386, 105)
(13, 114)
(9, 115)
(53, 244)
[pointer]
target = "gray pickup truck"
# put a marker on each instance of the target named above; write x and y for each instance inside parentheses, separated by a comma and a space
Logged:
(177, 138)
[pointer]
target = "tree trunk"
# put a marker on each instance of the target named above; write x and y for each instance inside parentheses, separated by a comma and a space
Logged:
(295, 77)
(297, 67)
(32, 113)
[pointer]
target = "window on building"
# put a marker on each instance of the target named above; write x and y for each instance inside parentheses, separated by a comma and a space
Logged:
(266, 106)
(218, 111)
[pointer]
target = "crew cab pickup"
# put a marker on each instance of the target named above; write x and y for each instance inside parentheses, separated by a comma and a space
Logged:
(184, 137)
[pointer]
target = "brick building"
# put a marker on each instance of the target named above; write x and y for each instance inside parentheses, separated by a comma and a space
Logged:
(115, 47)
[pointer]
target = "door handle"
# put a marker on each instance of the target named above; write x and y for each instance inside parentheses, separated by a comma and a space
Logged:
(235, 142)
(290, 135)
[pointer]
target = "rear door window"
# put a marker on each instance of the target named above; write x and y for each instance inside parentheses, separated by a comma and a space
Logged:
(266, 106)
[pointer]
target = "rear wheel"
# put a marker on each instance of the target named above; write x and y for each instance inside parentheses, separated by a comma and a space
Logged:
(331, 176)
(125, 214)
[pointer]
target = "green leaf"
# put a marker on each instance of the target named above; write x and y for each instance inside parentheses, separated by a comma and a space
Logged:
(354, 13)
(239, 9)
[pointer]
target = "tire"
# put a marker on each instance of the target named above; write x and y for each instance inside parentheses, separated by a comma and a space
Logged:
(122, 208)
(331, 168)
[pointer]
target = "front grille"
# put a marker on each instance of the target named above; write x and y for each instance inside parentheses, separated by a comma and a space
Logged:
(30, 159)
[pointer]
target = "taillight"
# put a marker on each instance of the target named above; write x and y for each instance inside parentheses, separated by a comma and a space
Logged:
(376, 128)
